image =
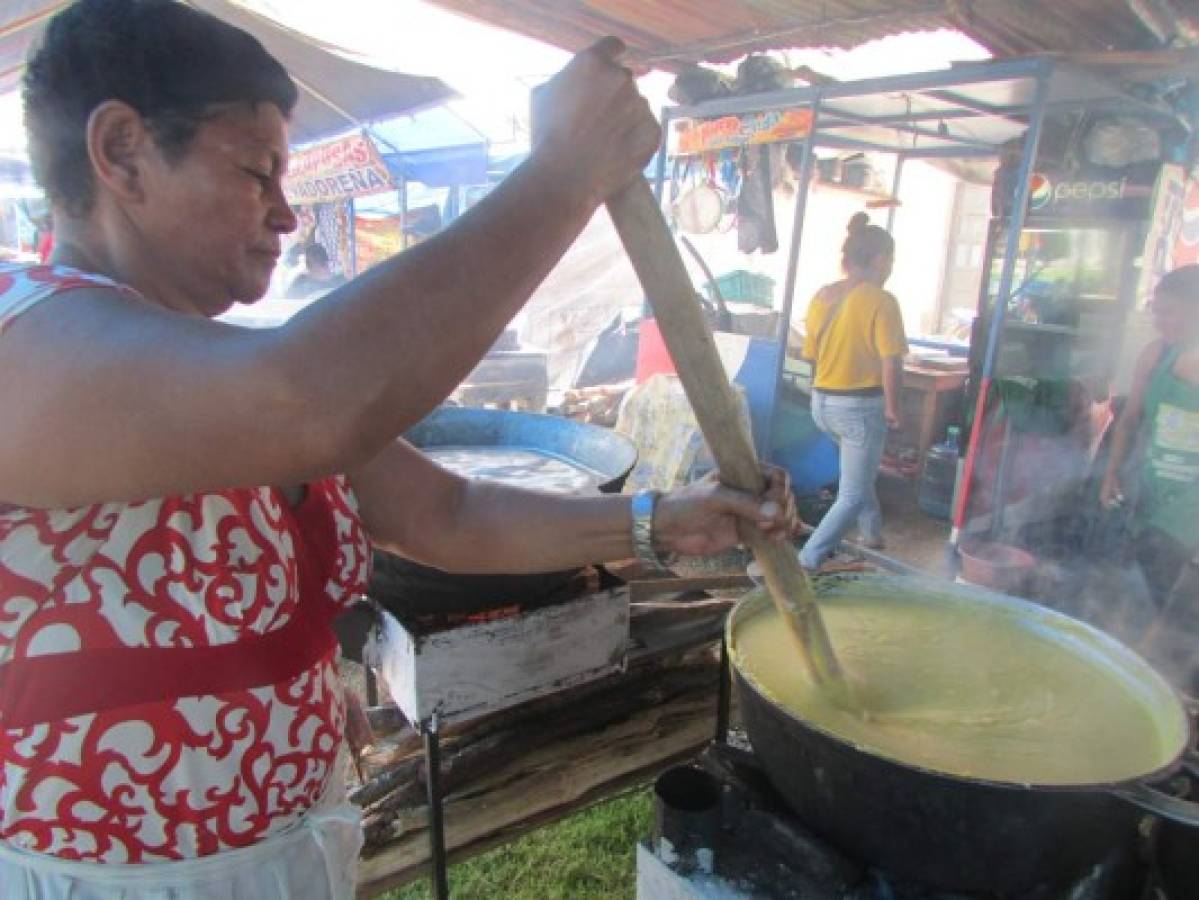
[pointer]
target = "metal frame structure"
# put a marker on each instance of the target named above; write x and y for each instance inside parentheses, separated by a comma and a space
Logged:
(976, 109)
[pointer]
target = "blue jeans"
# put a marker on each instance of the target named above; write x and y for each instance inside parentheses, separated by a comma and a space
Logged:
(859, 427)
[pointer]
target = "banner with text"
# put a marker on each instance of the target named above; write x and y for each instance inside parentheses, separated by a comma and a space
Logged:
(743, 131)
(337, 170)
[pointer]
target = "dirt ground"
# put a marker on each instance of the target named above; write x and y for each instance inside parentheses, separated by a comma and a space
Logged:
(912, 535)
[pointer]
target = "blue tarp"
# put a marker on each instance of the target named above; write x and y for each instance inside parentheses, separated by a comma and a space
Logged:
(435, 147)
(442, 167)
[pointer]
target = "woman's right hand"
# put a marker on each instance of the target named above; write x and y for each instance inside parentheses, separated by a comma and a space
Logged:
(893, 419)
(591, 125)
(1111, 494)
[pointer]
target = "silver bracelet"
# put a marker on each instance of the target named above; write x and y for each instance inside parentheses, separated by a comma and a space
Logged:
(643, 529)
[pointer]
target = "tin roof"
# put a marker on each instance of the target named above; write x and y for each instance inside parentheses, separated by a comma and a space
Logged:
(666, 33)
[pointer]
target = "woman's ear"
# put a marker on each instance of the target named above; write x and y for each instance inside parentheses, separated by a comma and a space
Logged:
(117, 140)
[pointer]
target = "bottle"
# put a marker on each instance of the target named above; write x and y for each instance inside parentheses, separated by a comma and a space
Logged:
(935, 495)
(953, 438)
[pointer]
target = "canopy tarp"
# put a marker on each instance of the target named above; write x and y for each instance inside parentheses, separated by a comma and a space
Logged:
(336, 92)
(436, 147)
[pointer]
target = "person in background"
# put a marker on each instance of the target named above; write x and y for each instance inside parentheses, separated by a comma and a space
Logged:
(290, 265)
(317, 278)
(1161, 416)
(185, 505)
(856, 343)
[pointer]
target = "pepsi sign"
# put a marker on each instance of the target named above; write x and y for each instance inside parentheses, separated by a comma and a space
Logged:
(1089, 193)
(1076, 194)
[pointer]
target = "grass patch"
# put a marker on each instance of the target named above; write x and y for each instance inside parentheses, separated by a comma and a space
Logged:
(588, 856)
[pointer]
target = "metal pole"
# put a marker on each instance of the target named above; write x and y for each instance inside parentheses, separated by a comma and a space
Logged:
(784, 331)
(722, 695)
(900, 159)
(895, 123)
(403, 201)
(437, 858)
(801, 203)
(660, 168)
(956, 77)
(1018, 215)
(1019, 211)
(352, 229)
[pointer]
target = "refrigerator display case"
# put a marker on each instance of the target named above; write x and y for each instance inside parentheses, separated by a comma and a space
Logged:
(1073, 286)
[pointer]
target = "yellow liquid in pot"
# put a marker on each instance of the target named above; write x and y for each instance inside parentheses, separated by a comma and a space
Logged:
(961, 688)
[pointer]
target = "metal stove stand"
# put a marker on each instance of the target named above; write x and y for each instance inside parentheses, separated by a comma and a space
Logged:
(438, 860)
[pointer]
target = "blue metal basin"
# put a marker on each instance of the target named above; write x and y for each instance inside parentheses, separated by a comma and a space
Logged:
(610, 455)
(408, 589)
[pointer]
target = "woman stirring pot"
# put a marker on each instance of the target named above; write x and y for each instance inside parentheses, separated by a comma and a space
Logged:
(855, 340)
(187, 504)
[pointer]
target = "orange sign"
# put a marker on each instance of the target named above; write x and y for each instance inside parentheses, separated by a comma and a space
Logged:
(376, 239)
(337, 170)
(742, 131)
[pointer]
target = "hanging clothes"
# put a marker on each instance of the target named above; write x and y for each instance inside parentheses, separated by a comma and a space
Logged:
(755, 204)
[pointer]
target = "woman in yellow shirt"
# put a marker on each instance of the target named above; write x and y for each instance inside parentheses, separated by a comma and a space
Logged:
(856, 342)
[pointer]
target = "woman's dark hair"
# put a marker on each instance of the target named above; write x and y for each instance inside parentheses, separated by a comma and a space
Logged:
(1181, 283)
(171, 63)
(865, 243)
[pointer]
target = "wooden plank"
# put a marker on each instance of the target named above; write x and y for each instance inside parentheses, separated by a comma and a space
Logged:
(651, 249)
(677, 587)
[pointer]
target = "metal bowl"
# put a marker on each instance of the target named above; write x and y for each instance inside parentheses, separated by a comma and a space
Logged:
(408, 588)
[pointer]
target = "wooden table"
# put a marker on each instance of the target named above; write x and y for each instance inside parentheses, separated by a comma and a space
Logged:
(931, 401)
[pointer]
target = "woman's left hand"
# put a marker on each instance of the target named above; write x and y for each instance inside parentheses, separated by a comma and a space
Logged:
(703, 518)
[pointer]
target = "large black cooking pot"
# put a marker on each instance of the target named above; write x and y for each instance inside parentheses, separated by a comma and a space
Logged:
(409, 588)
(952, 832)
(1177, 846)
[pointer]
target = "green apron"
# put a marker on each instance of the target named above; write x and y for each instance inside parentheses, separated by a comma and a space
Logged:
(1170, 476)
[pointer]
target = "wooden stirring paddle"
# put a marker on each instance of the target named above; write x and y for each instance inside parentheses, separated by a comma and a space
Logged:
(655, 258)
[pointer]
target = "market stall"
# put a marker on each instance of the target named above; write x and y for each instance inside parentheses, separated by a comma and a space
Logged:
(361, 184)
(510, 716)
(979, 111)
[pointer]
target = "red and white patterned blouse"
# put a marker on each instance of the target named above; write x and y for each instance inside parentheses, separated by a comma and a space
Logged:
(168, 683)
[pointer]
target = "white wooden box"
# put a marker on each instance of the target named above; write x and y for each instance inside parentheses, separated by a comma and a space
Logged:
(477, 669)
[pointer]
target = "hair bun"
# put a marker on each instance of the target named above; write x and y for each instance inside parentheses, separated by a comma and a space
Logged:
(857, 222)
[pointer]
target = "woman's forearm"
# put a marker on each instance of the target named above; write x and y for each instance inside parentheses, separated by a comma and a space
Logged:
(1121, 445)
(416, 509)
(555, 532)
(892, 382)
